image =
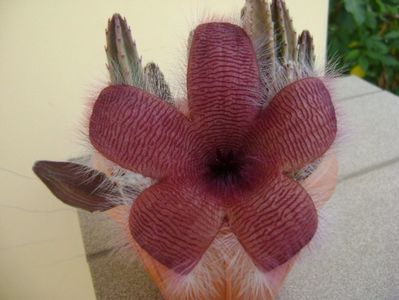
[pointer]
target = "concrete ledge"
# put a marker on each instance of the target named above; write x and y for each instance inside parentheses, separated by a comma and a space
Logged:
(371, 127)
(114, 277)
(100, 233)
(358, 257)
(349, 87)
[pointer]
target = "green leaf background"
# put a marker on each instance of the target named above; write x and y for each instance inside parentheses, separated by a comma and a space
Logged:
(357, 9)
(363, 37)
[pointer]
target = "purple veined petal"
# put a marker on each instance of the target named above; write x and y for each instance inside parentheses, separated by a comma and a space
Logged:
(223, 85)
(75, 185)
(140, 132)
(297, 127)
(175, 224)
(274, 222)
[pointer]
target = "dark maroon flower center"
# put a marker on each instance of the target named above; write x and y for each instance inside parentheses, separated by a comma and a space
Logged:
(225, 168)
(228, 172)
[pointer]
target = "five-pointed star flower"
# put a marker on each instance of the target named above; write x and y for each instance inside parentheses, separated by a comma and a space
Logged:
(226, 163)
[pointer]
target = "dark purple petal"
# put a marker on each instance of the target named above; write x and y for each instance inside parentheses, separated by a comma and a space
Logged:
(76, 185)
(223, 85)
(297, 127)
(175, 224)
(140, 132)
(274, 221)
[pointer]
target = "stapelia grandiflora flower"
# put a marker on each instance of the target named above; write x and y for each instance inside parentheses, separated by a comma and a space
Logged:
(225, 163)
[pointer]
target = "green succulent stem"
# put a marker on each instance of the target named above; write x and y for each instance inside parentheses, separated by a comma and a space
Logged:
(124, 63)
(306, 54)
(256, 19)
(272, 30)
(156, 83)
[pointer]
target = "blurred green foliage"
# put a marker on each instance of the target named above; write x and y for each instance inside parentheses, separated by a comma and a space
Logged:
(363, 38)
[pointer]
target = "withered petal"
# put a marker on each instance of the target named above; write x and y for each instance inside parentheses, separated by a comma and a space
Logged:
(76, 185)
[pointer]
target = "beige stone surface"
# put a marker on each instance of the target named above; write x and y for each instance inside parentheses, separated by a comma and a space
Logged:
(96, 239)
(358, 256)
(117, 277)
(369, 138)
(350, 87)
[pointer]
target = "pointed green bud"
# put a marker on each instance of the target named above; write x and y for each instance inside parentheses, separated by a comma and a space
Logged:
(124, 63)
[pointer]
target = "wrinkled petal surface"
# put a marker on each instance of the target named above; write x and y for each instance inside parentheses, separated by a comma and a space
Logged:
(175, 224)
(274, 221)
(76, 185)
(140, 132)
(223, 85)
(297, 127)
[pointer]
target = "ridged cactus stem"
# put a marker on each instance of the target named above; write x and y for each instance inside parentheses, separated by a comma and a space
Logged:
(280, 31)
(290, 33)
(306, 54)
(256, 19)
(156, 83)
(285, 33)
(124, 63)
